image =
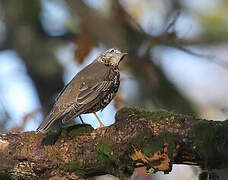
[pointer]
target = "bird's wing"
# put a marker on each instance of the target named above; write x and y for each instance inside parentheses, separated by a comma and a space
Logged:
(90, 76)
(61, 92)
(89, 96)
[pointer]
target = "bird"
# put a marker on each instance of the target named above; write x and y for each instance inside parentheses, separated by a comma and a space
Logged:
(91, 90)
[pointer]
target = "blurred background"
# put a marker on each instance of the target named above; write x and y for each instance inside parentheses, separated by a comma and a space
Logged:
(178, 58)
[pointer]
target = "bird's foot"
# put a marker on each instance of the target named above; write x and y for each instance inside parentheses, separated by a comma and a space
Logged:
(101, 125)
(100, 122)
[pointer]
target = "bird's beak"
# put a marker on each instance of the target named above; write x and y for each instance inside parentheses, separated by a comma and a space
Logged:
(123, 55)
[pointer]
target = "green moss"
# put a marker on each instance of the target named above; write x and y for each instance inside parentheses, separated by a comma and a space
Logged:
(168, 138)
(211, 143)
(104, 153)
(106, 159)
(133, 111)
(76, 130)
(150, 144)
(151, 171)
(146, 142)
(74, 166)
(127, 112)
(54, 155)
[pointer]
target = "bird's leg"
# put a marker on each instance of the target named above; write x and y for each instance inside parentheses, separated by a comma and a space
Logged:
(101, 124)
(81, 120)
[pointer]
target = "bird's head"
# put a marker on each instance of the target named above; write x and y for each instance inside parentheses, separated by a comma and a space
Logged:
(111, 57)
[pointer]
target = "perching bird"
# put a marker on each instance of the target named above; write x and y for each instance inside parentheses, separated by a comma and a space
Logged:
(91, 90)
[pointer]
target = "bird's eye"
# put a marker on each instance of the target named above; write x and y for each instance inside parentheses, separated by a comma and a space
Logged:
(112, 51)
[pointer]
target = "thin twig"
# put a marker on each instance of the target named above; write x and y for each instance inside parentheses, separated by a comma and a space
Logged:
(173, 21)
(209, 58)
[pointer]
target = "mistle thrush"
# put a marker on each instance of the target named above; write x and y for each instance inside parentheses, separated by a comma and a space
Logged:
(91, 90)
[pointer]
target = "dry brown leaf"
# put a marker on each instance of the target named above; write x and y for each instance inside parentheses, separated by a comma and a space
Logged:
(138, 155)
(29, 115)
(165, 147)
(4, 145)
(175, 152)
(84, 42)
(158, 160)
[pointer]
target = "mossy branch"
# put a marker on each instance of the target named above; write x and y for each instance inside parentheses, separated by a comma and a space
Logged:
(156, 140)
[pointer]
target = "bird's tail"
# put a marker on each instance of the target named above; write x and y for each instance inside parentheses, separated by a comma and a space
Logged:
(51, 122)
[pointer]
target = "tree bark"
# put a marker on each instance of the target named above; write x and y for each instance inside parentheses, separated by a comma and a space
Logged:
(156, 140)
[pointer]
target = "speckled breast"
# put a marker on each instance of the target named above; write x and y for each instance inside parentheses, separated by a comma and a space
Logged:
(108, 96)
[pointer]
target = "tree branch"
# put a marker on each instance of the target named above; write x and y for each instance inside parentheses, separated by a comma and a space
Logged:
(156, 140)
